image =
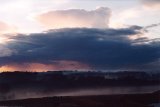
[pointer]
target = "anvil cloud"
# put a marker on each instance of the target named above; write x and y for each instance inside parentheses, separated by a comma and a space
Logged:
(98, 18)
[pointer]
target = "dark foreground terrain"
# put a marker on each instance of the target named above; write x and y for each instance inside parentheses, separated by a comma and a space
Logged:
(23, 85)
(122, 100)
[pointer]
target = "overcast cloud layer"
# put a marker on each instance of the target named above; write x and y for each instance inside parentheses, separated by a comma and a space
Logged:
(97, 48)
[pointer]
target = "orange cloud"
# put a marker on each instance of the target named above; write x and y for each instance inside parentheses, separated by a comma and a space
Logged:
(98, 18)
(151, 4)
(60, 65)
(6, 28)
(5, 31)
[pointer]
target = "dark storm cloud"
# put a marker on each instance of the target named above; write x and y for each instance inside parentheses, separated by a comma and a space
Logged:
(99, 48)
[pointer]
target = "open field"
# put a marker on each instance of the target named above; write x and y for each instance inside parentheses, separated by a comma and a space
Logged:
(121, 100)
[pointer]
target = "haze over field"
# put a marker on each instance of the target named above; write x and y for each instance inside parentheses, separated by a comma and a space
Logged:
(21, 85)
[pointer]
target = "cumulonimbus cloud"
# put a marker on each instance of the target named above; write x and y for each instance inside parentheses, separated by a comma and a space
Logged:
(97, 48)
(98, 18)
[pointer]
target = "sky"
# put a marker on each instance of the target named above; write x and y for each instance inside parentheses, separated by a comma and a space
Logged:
(41, 35)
